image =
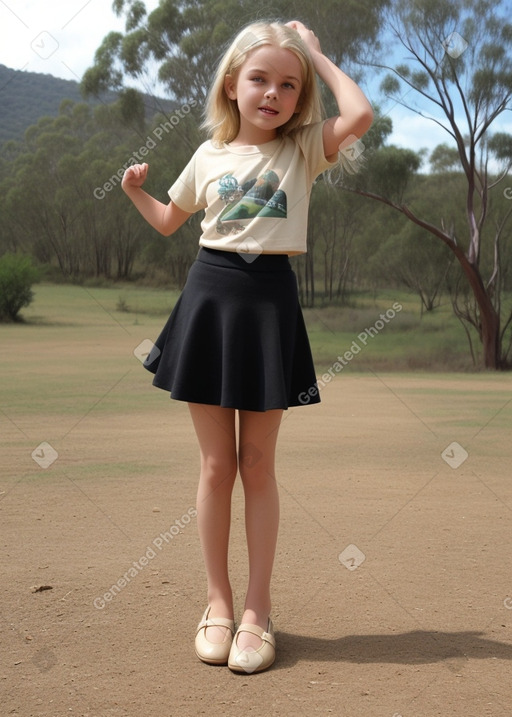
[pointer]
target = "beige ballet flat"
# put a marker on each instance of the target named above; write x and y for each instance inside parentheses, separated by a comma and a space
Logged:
(251, 660)
(212, 652)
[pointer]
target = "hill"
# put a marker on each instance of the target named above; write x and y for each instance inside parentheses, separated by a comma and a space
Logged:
(27, 96)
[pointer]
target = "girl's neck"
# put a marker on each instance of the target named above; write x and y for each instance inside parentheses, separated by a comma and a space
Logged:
(252, 136)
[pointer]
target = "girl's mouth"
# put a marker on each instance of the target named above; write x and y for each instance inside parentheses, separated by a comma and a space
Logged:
(268, 110)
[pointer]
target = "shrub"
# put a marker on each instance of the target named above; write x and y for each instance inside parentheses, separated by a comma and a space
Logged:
(17, 274)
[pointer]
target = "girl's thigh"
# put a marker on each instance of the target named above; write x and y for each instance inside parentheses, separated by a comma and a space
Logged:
(215, 428)
(258, 438)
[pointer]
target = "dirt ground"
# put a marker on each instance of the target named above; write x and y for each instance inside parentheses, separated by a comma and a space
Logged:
(392, 587)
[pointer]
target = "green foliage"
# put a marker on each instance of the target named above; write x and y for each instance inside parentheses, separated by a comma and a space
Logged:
(416, 261)
(71, 167)
(444, 159)
(379, 131)
(388, 172)
(131, 108)
(27, 96)
(458, 63)
(462, 49)
(390, 85)
(186, 38)
(500, 145)
(17, 275)
(104, 74)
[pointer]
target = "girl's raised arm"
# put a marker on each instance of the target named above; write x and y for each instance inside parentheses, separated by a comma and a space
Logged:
(356, 114)
(165, 218)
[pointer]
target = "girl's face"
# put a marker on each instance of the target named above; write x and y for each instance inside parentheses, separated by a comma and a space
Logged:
(266, 88)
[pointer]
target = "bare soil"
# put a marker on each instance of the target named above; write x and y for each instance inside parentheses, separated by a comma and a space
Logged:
(392, 587)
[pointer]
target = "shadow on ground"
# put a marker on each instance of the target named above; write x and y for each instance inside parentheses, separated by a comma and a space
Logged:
(412, 648)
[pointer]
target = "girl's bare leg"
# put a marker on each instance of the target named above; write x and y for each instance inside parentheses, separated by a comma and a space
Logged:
(257, 446)
(215, 430)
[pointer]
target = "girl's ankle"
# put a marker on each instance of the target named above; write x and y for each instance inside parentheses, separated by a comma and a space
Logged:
(256, 617)
(221, 607)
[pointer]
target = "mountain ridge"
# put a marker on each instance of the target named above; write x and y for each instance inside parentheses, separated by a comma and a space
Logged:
(25, 97)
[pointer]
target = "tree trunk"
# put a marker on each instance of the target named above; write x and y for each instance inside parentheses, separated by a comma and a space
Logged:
(488, 322)
(489, 328)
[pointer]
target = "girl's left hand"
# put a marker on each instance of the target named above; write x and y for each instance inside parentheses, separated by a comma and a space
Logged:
(308, 36)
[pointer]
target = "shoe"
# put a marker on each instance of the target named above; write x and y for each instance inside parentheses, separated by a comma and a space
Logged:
(251, 660)
(211, 652)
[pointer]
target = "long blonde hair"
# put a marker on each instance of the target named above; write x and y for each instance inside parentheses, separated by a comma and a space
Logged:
(222, 118)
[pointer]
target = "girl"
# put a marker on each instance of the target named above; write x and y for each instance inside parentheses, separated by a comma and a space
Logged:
(236, 340)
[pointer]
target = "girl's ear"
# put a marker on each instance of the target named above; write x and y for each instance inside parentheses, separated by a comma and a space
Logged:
(230, 87)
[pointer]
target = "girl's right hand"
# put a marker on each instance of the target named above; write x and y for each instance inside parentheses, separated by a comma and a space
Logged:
(135, 176)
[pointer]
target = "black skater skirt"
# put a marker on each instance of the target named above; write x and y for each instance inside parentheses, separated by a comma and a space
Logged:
(236, 336)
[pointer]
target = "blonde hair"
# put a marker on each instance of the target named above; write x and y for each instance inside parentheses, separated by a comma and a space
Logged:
(222, 117)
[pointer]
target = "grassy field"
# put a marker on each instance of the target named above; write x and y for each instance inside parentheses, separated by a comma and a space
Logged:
(76, 351)
(403, 340)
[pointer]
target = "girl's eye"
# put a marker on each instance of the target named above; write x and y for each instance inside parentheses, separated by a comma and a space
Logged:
(286, 85)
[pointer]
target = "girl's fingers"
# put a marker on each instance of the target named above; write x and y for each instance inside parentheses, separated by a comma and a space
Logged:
(139, 169)
(307, 35)
(136, 173)
(295, 25)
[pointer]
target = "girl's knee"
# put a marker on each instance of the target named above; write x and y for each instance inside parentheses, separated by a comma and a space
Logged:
(257, 474)
(218, 472)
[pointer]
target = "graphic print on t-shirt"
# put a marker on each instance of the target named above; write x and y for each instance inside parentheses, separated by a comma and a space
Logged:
(259, 197)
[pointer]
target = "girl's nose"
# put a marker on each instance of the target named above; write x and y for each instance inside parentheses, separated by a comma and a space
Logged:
(271, 92)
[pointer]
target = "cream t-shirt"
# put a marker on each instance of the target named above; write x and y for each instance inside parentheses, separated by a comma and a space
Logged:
(256, 198)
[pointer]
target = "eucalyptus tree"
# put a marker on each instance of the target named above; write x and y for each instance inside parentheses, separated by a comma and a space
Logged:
(457, 71)
(178, 44)
(62, 166)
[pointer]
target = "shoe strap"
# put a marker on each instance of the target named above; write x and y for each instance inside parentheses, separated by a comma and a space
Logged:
(256, 630)
(217, 622)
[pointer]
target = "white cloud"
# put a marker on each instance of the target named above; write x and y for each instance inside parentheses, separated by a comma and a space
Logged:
(58, 37)
(416, 132)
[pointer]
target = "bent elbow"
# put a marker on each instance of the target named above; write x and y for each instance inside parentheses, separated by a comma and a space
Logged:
(365, 120)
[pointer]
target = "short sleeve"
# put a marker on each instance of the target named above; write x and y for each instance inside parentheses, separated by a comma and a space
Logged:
(310, 140)
(188, 192)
